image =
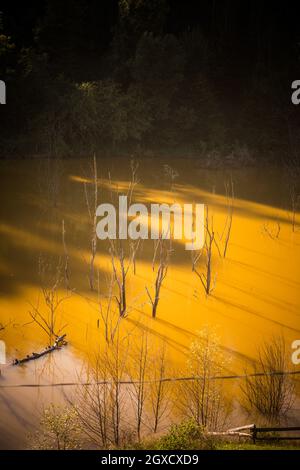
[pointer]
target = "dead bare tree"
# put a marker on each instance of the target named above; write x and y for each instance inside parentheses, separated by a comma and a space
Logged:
(117, 361)
(206, 278)
(268, 391)
(170, 174)
(272, 232)
(228, 224)
(134, 166)
(92, 208)
(134, 248)
(3, 326)
(159, 389)
(294, 191)
(47, 315)
(50, 171)
(134, 244)
(138, 390)
(120, 268)
(109, 317)
(124, 255)
(203, 398)
(66, 256)
(93, 406)
(294, 200)
(100, 405)
(162, 250)
(292, 166)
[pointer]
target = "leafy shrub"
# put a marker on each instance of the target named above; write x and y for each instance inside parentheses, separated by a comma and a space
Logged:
(184, 436)
(59, 430)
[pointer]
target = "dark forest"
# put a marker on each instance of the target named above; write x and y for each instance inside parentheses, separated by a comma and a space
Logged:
(153, 78)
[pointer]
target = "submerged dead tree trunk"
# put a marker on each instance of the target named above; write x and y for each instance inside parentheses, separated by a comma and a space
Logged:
(92, 208)
(206, 278)
(110, 318)
(120, 268)
(122, 253)
(66, 256)
(227, 231)
(119, 273)
(292, 165)
(163, 251)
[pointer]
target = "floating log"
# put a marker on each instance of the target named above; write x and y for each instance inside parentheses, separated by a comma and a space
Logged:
(59, 342)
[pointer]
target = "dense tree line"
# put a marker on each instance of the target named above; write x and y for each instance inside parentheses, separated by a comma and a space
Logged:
(210, 79)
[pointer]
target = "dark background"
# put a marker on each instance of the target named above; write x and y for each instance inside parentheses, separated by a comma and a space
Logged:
(150, 77)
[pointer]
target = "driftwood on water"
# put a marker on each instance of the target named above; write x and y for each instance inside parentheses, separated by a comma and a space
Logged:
(59, 342)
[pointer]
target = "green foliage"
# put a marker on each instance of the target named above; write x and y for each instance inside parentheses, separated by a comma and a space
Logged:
(223, 445)
(137, 17)
(102, 114)
(158, 59)
(7, 49)
(184, 436)
(59, 430)
(157, 71)
(142, 15)
(197, 53)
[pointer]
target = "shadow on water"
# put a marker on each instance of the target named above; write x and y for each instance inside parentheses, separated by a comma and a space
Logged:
(30, 224)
